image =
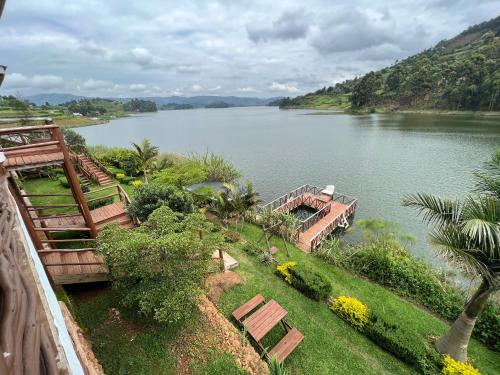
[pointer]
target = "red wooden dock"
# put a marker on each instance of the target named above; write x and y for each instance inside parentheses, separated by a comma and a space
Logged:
(332, 212)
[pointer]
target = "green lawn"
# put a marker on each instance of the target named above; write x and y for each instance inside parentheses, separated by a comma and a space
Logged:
(330, 345)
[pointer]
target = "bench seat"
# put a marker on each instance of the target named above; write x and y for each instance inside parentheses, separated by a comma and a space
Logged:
(286, 345)
(247, 307)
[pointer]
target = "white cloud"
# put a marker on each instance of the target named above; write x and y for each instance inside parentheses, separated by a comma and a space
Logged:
(196, 88)
(246, 89)
(138, 87)
(289, 87)
(43, 82)
(227, 48)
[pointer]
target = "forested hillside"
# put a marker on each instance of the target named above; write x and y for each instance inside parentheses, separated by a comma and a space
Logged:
(462, 73)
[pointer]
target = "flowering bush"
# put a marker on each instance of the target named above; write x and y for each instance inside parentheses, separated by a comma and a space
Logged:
(136, 183)
(120, 176)
(351, 310)
(452, 367)
(284, 270)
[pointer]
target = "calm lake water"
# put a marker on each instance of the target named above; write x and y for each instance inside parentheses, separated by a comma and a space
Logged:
(377, 158)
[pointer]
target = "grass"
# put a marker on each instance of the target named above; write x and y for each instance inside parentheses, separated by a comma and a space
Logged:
(330, 345)
(121, 342)
(125, 343)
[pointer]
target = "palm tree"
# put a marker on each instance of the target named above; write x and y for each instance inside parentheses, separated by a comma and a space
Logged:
(467, 233)
(146, 153)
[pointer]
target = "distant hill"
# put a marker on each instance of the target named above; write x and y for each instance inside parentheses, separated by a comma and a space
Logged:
(53, 99)
(160, 101)
(462, 73)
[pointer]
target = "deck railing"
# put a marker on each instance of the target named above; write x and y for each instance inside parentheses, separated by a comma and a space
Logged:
(16, 140)
(280, 201)
(338, 220)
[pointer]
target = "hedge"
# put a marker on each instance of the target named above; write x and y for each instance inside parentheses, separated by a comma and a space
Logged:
(391, 265)
(311, 283)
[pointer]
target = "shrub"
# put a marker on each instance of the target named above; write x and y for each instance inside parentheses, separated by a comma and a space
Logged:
(231, 236)
(251, 248)
(266, 258)
(452, 367)
(63, 181)
(216, 168)
(351, 310)
(181, 175)
(148, 197)
(169, 159)
(118, 157)
(159, 268)
(387, 262)
(306, 280)
(99, 203)
(84, 188)
(284, 270)
(403, 345)
(120, 176)
(127, 179)
(137, 183)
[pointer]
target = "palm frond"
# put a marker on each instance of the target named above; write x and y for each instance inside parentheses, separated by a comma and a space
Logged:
(456, 248)
(481, 223)
(488, 178)
(434, 209)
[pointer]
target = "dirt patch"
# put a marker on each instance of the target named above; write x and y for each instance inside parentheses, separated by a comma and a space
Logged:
(218, 283)
(216, 334)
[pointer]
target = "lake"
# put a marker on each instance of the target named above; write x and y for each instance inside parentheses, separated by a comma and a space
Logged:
(377, 158)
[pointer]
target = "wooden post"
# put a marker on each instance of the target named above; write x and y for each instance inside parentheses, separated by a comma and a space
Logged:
(22, 209)
(74, 183)
(221, 261)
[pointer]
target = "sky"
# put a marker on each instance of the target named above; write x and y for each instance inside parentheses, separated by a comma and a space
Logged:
(117, 48)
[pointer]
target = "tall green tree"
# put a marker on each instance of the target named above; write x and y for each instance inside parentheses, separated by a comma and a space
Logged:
(147, 154)
(467, 233)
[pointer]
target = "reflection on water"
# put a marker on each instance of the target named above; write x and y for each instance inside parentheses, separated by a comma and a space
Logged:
(377, 158)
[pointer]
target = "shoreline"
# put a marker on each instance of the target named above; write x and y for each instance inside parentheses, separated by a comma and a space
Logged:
(335, 111)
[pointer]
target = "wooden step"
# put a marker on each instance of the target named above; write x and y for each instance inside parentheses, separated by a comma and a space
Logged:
(286, 345)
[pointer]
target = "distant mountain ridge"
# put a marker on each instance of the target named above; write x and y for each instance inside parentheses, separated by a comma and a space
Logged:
(462, 73)
(194, 101)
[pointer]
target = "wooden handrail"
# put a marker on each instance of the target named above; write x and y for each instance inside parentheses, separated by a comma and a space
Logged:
(103, 197)
(48, 217)
(64, 250)
(6, 150)
(62, 229)
(46, 195)
(26, 129)
(70, 240)
(42, 207)
(73, 264)
(101, 189)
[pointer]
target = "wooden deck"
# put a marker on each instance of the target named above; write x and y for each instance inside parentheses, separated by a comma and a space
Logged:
(336, 212)
(38, 146)
(81, 265)
(331, 213)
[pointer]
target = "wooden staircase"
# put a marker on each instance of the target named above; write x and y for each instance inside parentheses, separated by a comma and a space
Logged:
(90, 169)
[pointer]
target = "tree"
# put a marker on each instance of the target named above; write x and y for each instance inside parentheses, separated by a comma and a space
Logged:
(159, 268)
(148, 198)
(74, 140)
(147, 154)
(467, 233)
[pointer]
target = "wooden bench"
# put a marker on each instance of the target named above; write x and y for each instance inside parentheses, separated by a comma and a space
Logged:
(248, 307)
(286, 345)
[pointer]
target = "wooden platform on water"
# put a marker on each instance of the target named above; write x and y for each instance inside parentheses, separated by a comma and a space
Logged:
(332, 212)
